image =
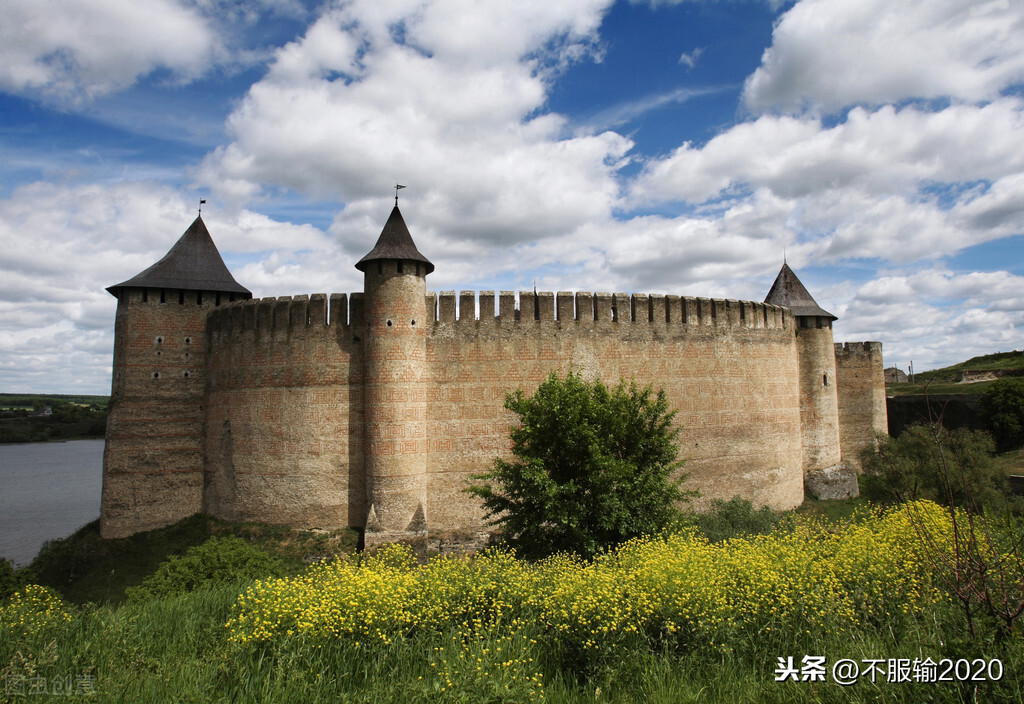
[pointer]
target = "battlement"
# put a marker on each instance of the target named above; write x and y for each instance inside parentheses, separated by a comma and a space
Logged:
(287, 315)
(852, 349)
(295, 315)
(583, 307)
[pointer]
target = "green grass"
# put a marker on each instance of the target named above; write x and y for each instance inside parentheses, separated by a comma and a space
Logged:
(84, 567)
(176, 648)
(944, 380)
(936, 388)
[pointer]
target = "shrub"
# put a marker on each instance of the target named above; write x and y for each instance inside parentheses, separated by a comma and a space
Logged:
(216, 560)
(952, 467)
(12, 579)
(592, 467)
(734, 518)
(1002, 407)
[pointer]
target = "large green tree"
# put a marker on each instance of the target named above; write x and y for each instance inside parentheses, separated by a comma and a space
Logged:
(591, 467)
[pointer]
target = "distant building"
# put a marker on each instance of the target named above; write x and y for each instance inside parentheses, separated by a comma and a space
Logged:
(894, 375)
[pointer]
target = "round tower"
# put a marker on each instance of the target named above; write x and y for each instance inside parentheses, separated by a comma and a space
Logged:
(395, 389)
(154, 456)
(819, 401)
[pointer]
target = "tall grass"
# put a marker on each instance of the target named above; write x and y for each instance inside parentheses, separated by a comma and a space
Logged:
(665, 620)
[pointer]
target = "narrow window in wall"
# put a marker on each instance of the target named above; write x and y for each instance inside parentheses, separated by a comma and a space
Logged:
(824, 379)
(163, 296)
(145, 295)
(181, 298)
(199, 298)
(399, 266)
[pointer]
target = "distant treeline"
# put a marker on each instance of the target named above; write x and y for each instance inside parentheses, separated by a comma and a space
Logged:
(43, 417)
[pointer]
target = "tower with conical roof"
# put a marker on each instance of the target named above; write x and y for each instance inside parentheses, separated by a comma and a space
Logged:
(819, 405)
(395, 381)
(153, 462)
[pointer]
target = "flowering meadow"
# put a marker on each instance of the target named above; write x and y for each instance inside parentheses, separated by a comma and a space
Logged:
(671, 618)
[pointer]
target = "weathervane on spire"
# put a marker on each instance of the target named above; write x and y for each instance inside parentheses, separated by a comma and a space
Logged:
(397, 187)
(201, 201)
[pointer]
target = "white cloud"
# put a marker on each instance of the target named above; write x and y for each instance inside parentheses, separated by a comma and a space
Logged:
(935, 316)
(62, 246)
(446, 97)
(84, 48)
(828, 54)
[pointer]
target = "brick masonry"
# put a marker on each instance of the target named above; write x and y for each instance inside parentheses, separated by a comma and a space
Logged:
(312, 410)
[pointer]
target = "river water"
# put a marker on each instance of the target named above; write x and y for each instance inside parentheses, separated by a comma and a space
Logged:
(47, 490)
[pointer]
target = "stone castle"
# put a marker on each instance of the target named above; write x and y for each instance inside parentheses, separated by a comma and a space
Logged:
(372, 409)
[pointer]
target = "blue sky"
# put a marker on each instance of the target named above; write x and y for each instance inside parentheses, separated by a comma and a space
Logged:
(649, 146)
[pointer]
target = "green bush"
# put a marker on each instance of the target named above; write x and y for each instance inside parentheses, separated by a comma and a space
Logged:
(591, 467)
(734, 518)
(1002, 407)
(951, 467)
(12, 579)
(216, 560)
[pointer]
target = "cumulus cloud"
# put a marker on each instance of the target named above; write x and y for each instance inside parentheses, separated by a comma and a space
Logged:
(934, 316)
(63, 245)
(828, 54)
(82, 49)
(892, 184)
(445, 97)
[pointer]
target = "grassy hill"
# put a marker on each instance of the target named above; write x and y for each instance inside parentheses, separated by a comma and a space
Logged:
(947, 379)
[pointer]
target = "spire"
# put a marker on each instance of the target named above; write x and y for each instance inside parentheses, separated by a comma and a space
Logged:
(394, 242)
(787, 291)
(192, 264)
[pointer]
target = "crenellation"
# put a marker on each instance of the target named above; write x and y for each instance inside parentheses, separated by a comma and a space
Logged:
(507, 310)
(487, 306)
(265, 316)
(317, 312)
(640, 308)
(659, 310)
(584, 302)
(355, 310)
(430, 302)
(528, 306)
(604, 307)
(705, 311)
(545, 306)
(565, 311)
(446, 307)
(337, 313)
(622, 308)
(467, 306)
(282, 316)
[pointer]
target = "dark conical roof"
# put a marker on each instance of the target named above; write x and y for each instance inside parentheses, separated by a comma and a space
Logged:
(789, 292)
(394, 242)
(193, 264)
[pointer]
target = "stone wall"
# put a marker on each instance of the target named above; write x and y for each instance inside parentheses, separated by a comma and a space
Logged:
(862, 405)
(268, 409)
(153, 463)
(285, 413)
(286, 406)
(729, 367)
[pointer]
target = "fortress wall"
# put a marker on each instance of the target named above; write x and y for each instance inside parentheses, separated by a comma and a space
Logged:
(153, 461)
(818, 397)
(729, 367)
(284, 411)
(862, 403)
